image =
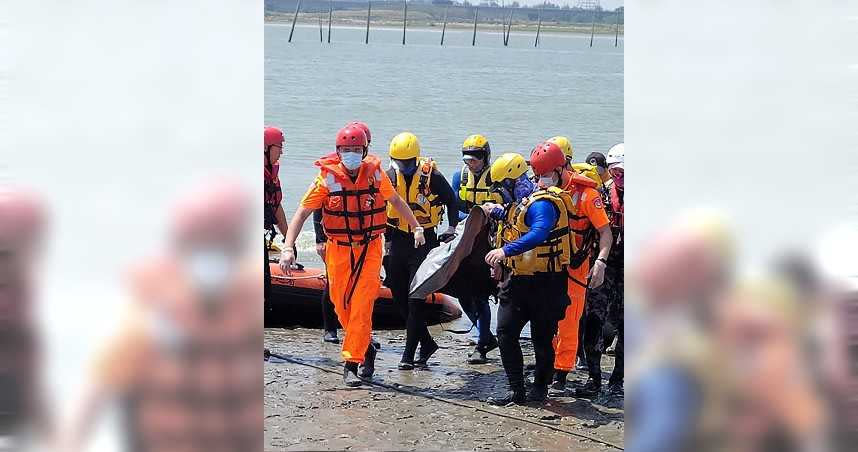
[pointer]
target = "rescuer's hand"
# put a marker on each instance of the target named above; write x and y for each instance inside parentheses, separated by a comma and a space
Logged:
(495, 257)
(287, 258)
(597, 274)
(320, 250)
(419, 240)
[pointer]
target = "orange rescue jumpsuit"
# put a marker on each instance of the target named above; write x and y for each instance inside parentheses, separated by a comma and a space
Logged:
(589, 211)
(354, 217)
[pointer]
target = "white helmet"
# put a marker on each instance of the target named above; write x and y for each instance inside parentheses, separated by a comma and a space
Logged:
(616, 155)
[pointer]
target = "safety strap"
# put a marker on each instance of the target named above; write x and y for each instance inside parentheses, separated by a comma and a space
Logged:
(358, 214)
(365, 191)
(353, 232)
(576, 281)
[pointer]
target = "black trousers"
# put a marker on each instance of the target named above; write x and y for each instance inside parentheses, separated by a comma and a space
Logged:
(403, 260)
(329, 316)
(540, 299)
(604, 304)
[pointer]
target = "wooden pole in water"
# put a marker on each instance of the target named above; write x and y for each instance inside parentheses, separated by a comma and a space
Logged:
(508, 28)
(330, 18)
(474, 39)
(444, 29)
(404, 19)
(538, 26)
(320, 28)
(593, 29)
(368, 12)
(617, 36)
(294, 19)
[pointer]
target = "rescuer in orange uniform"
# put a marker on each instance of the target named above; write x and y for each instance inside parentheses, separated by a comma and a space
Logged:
(587, 221)
(352, 191)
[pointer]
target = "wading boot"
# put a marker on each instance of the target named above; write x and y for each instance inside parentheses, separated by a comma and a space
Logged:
(426, 351)
(368, 367)
(538, 394)
(406, 365)
(478, 356)
(516, 396)
(592, 388)
(559, 384)
(331, 337)
(350, 377)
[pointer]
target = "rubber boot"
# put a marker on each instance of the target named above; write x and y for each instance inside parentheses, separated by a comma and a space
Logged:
(331, 337)
(516, 396)
(538, 393)
(559, 380)
(350, 377)
(368, 367)
(426, 352)
(592, 388)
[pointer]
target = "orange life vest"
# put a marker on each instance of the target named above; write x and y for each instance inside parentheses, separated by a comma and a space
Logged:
(354, 212)
(580, 225)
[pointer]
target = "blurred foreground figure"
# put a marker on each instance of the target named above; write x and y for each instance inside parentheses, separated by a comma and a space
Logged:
(185, 369)
(837, 332)
(673, 400)
(773, 403)
(22, 412)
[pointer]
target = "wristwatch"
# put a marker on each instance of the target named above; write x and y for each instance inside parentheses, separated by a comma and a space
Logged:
(603, 260)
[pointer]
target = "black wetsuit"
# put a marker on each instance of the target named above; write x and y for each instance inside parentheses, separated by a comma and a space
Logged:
(329, 316)
(403, 260)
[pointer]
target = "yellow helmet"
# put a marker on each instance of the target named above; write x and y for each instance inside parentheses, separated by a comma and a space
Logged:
(476, 142)
(564, 144)
(508, 166)
(404, 146)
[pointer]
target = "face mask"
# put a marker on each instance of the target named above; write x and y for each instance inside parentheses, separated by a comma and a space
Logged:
(407, 167)
(546, 181)
(351, 160)
(209, 270)
(523, 187)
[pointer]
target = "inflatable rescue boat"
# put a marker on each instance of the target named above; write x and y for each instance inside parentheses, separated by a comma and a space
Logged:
(296, 300)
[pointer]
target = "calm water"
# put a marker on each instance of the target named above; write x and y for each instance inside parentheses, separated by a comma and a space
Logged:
(516, 96)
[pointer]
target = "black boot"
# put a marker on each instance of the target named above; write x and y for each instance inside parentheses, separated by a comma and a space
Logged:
(592, 388)
(478, 356)
(331, 337)
(350, 377)
(426, 351)
(368, 367)
(559, 380)
(516, 396)
(538, 393)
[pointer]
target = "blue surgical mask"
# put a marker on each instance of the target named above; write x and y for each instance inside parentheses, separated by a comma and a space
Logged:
(406, 167)
(351, 160)
(523, 187)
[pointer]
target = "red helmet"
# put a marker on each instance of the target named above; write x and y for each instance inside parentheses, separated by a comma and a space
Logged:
(273, 136)
(362, 125)
(352, 136)
(546, 157)
(214, 209)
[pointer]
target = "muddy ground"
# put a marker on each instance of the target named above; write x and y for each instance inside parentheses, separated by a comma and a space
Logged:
(309, 409)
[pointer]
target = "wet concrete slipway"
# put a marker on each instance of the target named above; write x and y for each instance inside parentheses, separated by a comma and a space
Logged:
(441, 408)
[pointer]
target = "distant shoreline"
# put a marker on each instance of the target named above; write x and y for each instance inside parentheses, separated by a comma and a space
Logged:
(418, 24)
